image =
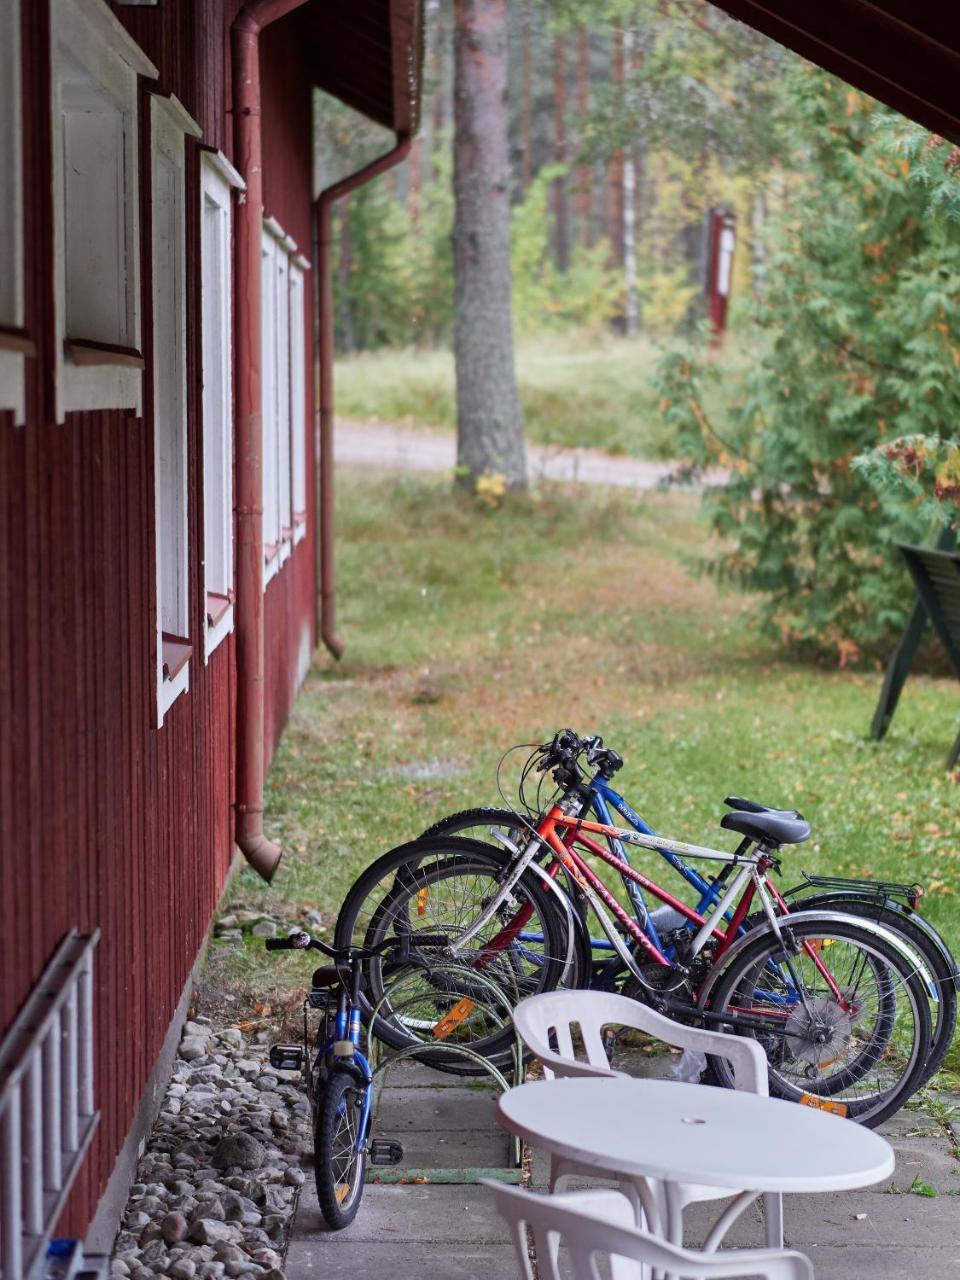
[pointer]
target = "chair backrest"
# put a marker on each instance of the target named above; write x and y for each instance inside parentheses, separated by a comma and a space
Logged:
(554, 1014)
(600, 1224)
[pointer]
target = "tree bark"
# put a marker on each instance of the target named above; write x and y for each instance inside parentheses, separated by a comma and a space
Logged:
(584, 181)
(526, 100)
(489, 419)
(561, 205)
(615, 172)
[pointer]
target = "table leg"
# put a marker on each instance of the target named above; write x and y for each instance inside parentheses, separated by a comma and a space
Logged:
(727, 1219)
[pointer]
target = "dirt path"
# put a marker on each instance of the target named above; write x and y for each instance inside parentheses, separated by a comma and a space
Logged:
(396, 448)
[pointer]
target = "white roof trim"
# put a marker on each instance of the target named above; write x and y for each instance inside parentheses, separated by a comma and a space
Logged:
(218, 161)
(177, 114)
(303, 263)
(112, 31)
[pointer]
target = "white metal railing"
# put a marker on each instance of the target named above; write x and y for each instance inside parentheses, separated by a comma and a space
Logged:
(47, 1114)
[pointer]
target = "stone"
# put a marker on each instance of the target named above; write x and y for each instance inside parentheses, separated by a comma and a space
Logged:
(232, 1036)
(119, 1268)
(226, 1252)
(266, 1258)
(229, 921)
(250, 1218)
(294, 1177)
(208, 1207)
(174, 1228)
(153, 1253)
(192, 1047)
(265, 929)
(136, 1221)
(182, 1269)
(238, 1151)
(210, 1230)
(229, 935)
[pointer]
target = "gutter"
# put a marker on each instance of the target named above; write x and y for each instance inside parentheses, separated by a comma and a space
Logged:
(262, 854)
(325, 326)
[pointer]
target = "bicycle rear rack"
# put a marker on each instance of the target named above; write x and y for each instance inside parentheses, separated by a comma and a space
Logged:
(910, 893)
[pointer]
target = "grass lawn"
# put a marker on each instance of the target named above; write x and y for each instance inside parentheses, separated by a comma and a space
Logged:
(469, 630)
(587, 390)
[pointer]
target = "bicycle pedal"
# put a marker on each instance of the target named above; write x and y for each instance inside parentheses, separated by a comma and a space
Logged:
(385, 1151)
(286, 1057)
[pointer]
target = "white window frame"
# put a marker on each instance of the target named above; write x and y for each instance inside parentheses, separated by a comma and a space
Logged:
(218, 180)
(12, 394)
(89, 41)
(169, 126)
(269, 373)
(298, 394)
(284, 473)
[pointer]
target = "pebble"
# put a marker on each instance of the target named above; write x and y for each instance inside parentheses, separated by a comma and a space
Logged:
(265, 929)
(215, 1189)
(174, 1228)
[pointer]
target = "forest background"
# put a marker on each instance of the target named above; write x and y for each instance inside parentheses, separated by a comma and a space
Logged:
(833, 398)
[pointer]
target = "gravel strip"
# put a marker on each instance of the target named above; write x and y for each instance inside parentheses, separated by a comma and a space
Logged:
(218, 1184)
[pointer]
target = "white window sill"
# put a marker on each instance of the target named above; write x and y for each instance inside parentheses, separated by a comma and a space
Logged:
(286, 550)
(105, 386)
(299, 531)
(168, 691)
(271, 567)
(217, 632)
(12, 385)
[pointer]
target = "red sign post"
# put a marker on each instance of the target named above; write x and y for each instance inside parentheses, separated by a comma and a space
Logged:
(721, 241)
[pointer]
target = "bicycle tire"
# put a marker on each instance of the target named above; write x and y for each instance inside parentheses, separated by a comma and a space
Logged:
(417, 874)
(899, 1039)
(339, 1166)
(938, 959)
(478, 824)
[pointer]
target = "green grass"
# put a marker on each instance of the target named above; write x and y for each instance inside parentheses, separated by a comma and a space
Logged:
(469, 630)
(587, 390)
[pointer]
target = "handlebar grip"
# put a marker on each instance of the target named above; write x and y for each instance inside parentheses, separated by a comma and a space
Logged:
(278, 944)
(298, 941)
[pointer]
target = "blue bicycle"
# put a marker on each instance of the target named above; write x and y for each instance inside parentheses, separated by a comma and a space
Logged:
(338, 1076)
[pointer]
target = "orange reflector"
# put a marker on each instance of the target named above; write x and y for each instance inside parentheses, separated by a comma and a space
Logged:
(823, 1104)
(450, 1021)
(422, 896)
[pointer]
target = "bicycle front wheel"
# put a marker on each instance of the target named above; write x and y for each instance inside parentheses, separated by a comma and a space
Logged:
(840, 1012)
(443, 886)
(339, 1158)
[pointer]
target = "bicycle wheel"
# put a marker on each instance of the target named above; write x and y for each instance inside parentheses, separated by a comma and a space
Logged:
(861, 1053)
(442, 886)
(937, 958)
(485, 824)
(339, 1164)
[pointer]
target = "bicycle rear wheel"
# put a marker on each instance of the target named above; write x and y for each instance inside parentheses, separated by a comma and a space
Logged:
(847, 1020)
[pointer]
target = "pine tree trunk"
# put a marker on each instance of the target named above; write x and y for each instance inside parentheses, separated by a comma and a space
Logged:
(584, 181)
(561, 205)
(758, 246)
(631, 306)
(489, 419)
(526, 100)
(414, 182)
(615, 171)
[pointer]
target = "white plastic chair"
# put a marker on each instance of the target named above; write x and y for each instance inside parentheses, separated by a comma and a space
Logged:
(600, 1222)
(557, 1012)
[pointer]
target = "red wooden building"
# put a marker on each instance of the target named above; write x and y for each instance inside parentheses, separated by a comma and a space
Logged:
(158, 443)
(158, 530)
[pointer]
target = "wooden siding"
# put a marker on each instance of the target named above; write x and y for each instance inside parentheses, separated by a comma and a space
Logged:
(104, 820)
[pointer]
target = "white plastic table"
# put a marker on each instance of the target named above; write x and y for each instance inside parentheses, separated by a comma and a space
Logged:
(673, 1133)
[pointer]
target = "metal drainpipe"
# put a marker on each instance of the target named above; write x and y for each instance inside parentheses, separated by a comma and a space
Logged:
(325, 559)
(262, 854)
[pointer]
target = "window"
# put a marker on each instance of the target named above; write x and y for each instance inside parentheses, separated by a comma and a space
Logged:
(269, 414)
(94, 87)
(13, 341)
(284, 396)
(217, 179)
(298, 397)
(169, 122)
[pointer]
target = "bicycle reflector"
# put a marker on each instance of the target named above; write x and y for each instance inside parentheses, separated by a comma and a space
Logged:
(286, 1057)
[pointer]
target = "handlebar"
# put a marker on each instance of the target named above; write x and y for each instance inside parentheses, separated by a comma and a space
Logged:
(564, 751)
(302, 941)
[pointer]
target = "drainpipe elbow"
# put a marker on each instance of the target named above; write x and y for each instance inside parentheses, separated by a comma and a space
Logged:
(262, 854)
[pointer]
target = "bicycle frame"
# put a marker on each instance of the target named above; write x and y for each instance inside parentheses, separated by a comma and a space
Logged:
(748, 882)
(344, 1046)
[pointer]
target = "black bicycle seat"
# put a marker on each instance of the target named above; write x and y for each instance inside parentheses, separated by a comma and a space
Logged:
(330, 975)
(754, 806)
(769, 828)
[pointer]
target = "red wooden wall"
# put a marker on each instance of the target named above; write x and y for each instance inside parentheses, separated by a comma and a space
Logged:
(106, 821)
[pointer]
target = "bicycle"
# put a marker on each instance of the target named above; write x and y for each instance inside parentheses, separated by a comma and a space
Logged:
(858, 1043)
(890, 903)
(338, 1076)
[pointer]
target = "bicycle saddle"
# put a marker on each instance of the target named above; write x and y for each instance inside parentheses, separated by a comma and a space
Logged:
(330, 975)
(754, 806)
(772, 827)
